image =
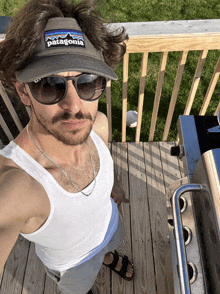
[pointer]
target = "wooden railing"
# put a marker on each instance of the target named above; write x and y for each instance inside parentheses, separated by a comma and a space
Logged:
(184, 36)
(13, 113)
(164, 37)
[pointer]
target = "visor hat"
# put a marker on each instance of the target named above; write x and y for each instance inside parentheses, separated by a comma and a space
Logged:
(63, 48)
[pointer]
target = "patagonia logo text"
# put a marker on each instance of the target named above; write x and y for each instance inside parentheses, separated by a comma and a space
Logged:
(60, 38)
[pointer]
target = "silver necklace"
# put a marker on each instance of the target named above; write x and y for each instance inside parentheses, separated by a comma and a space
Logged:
(63, 169)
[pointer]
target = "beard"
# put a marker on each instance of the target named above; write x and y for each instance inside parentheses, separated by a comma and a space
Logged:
(73, 137)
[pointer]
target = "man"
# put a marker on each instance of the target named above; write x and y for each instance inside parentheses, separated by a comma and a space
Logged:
(56, 177)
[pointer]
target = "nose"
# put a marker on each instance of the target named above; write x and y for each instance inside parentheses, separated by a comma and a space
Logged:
(72, 101)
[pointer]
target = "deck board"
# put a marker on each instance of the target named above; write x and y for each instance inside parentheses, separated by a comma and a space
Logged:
(120, 157)
(140, 219)
(158, 213)
(145, 170)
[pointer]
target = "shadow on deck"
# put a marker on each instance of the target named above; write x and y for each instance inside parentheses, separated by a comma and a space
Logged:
(146, 170)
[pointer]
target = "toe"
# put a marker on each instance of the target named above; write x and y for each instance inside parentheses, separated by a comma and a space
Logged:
(129, 271)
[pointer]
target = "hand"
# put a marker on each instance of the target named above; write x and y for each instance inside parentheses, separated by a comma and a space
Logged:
(119, 197)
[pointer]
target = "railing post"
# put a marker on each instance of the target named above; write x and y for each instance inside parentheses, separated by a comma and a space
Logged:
(141, 95)
(211, 88)
(125, 93)
(109, 109)
(158, 95)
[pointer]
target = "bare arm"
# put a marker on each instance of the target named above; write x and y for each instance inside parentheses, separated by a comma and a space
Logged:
(101, 128)
(14, 188)
(8, 235)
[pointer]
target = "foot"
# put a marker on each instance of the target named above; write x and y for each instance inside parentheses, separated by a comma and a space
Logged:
(109, 259)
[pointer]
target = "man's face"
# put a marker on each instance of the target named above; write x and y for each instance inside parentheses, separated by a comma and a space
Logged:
(69, 121)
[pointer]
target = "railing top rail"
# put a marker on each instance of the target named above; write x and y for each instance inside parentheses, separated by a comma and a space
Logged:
(173, 27)
(178, 35)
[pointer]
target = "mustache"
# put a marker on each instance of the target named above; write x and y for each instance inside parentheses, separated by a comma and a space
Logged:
(67, 116)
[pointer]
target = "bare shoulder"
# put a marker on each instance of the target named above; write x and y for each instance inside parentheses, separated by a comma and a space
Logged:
(19, 196)
(16, 207)
(100, 126)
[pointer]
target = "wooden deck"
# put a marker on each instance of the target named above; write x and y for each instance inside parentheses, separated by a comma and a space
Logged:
(146, 170)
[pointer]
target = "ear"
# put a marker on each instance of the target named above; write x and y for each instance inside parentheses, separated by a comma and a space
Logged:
(23, 93)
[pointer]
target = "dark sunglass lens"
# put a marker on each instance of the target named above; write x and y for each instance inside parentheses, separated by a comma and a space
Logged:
(48, 90)
(91, 86)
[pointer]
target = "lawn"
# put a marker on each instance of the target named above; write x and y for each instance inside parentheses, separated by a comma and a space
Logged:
(154, 10)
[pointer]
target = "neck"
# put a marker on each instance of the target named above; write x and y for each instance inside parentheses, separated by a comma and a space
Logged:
(55, 149)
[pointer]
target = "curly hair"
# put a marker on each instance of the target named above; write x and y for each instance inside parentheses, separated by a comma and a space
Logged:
(29, 23)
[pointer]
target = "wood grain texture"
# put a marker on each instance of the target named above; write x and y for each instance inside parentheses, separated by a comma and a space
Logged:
(35, 274)
(163, 64)
(145, 171)
(158, 218)
(5, 128)
(164, 43)
(119, 154)
(141, 95)
(211, 89)
(10, 107)
(51, 287)
(141, 226)
(196, 81)
(15, 268)
(175, 93)
(109, 109)
(124, 95)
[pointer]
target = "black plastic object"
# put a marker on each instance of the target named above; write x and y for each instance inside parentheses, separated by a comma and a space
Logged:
(175, 151)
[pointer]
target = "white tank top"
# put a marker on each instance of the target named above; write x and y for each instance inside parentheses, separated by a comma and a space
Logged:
(77, 224)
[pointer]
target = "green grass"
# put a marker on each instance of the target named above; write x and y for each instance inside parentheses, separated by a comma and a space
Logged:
(154, 10)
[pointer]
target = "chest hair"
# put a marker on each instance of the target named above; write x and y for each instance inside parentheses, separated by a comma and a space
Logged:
(81, 175)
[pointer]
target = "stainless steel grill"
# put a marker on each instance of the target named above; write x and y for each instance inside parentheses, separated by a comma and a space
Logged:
(194, 207)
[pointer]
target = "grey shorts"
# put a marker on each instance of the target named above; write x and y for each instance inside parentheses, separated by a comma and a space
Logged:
(80, 279)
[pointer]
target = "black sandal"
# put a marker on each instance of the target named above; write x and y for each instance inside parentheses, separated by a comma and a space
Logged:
(125, 262)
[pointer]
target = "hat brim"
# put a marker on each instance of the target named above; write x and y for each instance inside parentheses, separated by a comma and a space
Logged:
(50, 65)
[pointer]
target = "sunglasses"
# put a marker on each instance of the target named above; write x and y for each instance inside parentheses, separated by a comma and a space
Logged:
(51, 90)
